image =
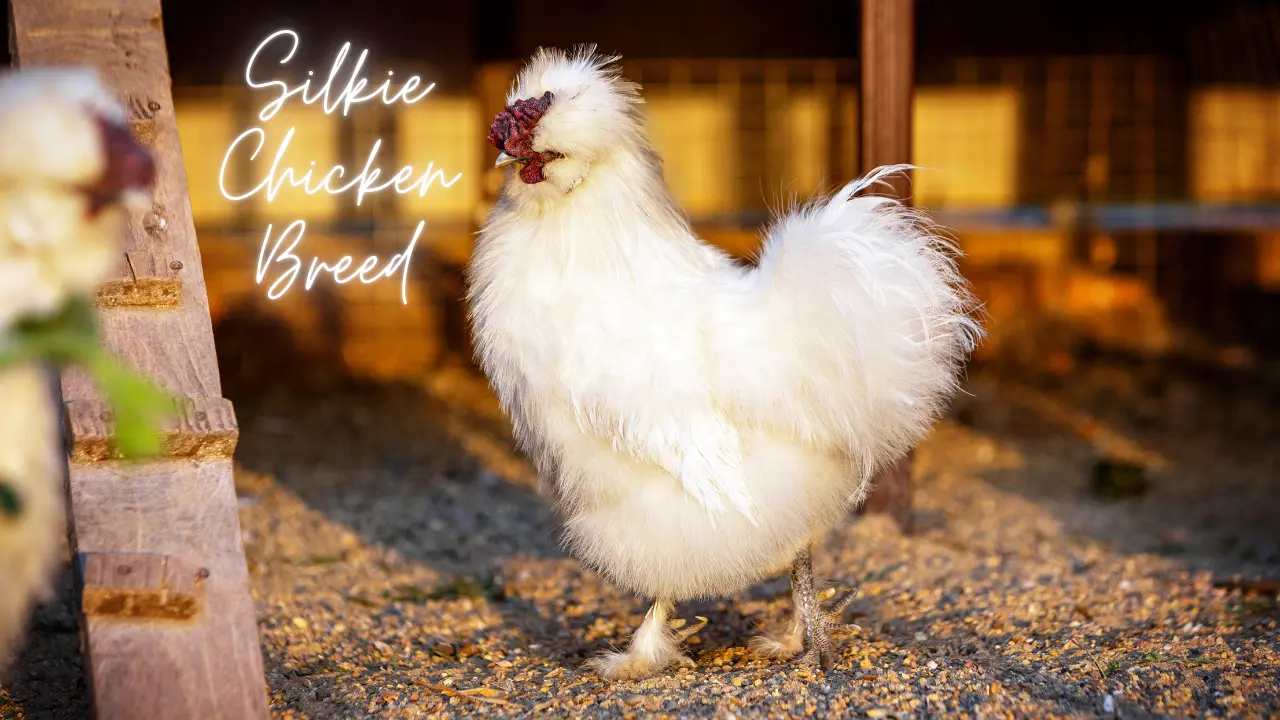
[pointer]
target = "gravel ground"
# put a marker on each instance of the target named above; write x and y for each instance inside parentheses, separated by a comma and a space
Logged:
(404, 567)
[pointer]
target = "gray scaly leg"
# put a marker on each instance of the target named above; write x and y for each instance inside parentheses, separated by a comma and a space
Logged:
(815, 621)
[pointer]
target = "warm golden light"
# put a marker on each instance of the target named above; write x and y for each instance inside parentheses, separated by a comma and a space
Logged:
(206, 124)
(444, 131)
(1235, 144)
(696, 135)
(967, 142)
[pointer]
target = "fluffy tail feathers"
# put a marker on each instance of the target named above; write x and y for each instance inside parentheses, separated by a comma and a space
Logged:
(864, 324)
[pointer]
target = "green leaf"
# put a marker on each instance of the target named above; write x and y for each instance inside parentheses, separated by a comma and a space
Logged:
(138, 406)
(70, 336)
(66, 337)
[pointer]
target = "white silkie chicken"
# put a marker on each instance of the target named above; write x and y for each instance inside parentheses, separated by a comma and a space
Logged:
(698, 422)
(67, 162)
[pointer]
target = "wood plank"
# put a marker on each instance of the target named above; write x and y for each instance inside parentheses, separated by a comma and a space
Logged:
(208, 665)
(139, 585)
(888, 77)
(166, 346)
(202, 428)
(144, 279)
(91, 15)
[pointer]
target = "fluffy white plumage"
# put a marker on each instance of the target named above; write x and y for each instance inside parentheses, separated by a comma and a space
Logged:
(51, 151)
(698, 421)
(31, 466)
(52, 246)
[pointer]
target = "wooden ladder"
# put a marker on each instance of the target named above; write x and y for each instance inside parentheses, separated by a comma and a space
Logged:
(167, 621)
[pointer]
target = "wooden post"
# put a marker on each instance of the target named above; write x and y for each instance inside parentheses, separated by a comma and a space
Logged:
(167, 623)
(888, 46)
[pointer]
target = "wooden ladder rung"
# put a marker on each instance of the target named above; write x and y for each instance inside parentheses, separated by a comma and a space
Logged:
(143, 279)
(132, 586)
(202, 428)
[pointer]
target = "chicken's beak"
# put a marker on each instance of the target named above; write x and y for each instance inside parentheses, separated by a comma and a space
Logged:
(504, 160)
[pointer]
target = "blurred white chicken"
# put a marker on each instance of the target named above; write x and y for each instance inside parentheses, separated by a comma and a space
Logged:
(67, 162)
(699, 422)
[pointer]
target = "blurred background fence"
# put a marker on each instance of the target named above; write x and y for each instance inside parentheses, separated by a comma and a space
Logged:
(1134, 197)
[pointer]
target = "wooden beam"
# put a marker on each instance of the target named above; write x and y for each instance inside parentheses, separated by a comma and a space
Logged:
(167, 622)
(888, 48)
(203, 428)
(138, 585)
(888, 79)
(143, 279)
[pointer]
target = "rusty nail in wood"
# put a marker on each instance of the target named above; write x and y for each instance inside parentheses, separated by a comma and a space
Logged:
(175, 265)
(123, 569)
(202, 573)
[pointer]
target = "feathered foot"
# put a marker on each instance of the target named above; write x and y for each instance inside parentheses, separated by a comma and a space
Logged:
(808, 634)
(654, 647)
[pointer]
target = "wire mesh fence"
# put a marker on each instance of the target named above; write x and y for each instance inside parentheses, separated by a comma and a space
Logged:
(1078, 185)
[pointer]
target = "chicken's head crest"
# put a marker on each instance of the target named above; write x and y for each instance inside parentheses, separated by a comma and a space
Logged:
(568, 114)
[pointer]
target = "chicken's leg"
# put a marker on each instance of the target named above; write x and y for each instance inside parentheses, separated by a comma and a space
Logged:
(654, 647)
(811, 624)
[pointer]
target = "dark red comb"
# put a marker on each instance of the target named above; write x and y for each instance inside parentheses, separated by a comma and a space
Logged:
(512, 129)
